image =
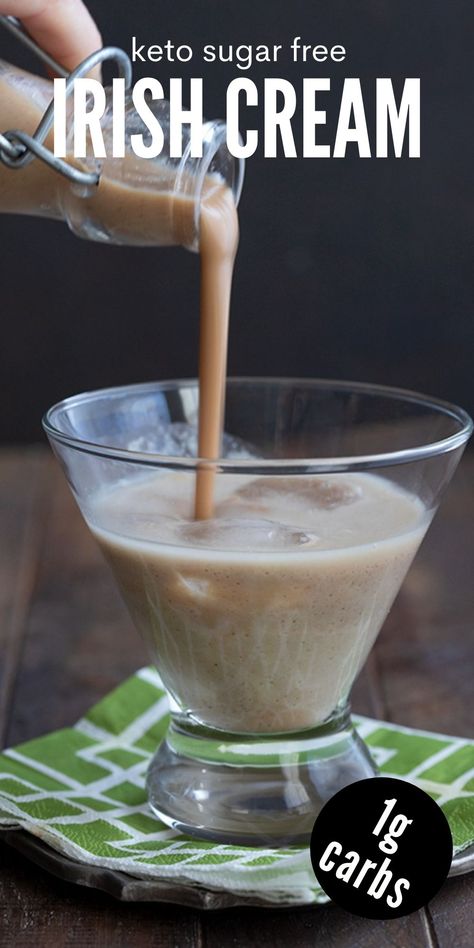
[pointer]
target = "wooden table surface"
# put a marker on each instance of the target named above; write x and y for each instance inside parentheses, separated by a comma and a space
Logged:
(65, 640)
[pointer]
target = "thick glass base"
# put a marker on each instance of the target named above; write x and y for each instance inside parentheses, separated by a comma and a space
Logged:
(255, 790)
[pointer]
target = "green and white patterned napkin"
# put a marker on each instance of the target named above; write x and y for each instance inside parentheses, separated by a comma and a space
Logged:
(81, 790)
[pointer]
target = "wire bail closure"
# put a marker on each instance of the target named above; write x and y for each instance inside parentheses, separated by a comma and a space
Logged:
(18, 148)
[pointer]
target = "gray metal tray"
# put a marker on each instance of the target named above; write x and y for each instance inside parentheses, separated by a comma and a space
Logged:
(128, 889)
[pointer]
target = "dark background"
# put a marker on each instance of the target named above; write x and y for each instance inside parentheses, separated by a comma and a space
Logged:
(347, 268)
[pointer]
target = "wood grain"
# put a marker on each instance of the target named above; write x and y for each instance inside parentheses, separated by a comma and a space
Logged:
(452, 913)
(23, 499)
(37, 909)
(66, 639)
(327, 926)
(425, 653)
(79, 641)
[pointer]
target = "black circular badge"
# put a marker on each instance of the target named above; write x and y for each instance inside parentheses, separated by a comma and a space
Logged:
(381, 848)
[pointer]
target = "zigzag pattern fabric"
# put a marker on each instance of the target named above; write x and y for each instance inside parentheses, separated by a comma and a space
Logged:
(82, 791)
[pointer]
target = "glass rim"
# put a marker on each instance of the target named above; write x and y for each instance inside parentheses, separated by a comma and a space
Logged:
(313, 465)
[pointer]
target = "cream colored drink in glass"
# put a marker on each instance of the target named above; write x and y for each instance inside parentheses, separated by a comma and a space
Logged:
(261, 618)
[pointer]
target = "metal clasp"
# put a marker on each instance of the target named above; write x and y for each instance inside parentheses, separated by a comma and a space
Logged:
(18, 148)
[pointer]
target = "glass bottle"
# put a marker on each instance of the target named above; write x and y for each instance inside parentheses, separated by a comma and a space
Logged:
(138, 201)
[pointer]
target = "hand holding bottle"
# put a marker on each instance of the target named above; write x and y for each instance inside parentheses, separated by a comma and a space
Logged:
(64, 28)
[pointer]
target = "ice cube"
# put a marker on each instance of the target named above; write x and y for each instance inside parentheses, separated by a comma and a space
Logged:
(236, 449)
(180, 439)
(310, 491)
(244, 535)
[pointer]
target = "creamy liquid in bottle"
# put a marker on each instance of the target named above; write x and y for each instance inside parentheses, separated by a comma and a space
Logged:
(141, 215)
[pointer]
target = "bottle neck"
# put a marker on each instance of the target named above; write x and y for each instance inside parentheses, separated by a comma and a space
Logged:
(141, 201)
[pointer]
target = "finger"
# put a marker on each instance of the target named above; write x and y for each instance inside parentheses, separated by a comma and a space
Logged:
(64, 28)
